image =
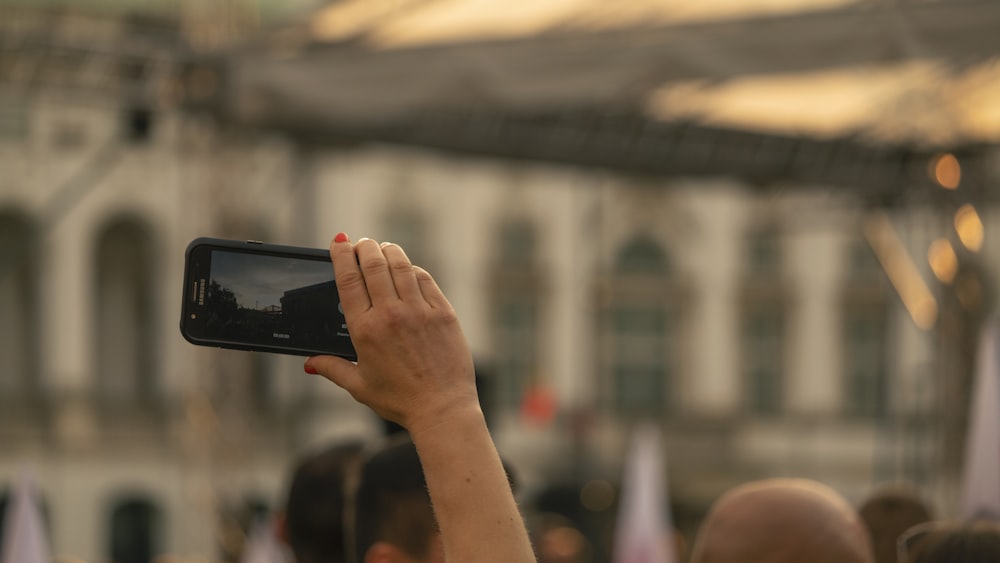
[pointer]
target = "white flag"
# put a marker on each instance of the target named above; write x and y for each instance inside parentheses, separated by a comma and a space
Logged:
(263, 546)
(24, 539)
(981, 486)
(644, 532)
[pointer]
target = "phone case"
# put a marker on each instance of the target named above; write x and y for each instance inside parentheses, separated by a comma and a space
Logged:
(307, 322)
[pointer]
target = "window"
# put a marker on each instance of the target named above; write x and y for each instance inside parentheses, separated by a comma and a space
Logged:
(515, 344)
(763, 323)
(639, 320)
(125, 343)
(641, 359)
(763, 254)
(763, 335)
(19, 304)
(135, 529)
(864, 333)
(516, 299)
(642, 256)
(865, 359)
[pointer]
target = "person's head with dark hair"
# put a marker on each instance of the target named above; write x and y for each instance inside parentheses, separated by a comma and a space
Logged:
(782, 521)
(931, 542)
(888, 512)
(313, 523)
(394, 519)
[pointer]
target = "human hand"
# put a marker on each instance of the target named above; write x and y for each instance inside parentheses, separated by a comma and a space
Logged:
(414, 366)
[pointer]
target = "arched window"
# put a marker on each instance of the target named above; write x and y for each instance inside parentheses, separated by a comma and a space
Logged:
(19, 377)
(642, 256)
(516, 284)
(124, 304)
(640, 320)
(135, 524)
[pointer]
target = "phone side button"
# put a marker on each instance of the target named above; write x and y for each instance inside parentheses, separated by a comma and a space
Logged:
(255, 242)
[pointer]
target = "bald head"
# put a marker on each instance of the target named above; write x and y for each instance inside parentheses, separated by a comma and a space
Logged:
(782, 521)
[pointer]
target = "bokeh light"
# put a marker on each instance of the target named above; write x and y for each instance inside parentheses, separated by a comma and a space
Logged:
(969, 227)
(946, 171)
(943, 260)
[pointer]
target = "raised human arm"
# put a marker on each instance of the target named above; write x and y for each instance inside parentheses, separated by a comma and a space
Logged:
(414, 367)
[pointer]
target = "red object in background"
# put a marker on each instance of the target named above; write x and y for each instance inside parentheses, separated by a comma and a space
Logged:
(538, 407)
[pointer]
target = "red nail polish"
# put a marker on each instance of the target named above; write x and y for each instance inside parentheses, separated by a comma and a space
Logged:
(341, 237)
(311, 370)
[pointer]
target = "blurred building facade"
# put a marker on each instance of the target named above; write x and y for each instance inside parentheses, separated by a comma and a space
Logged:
(753, 323)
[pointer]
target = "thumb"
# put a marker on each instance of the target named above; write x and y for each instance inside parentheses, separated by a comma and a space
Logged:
(338, 370)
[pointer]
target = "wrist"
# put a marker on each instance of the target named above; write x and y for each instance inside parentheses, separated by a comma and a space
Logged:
(444, 422)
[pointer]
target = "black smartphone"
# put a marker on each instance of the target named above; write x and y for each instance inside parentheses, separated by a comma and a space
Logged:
(248, 295)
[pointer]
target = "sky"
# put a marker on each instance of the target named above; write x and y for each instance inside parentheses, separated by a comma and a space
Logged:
(260, 281)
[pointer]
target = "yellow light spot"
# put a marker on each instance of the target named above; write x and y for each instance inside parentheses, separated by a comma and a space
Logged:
(901, 271)
(943, 260)
(969, 227)
(946, 171)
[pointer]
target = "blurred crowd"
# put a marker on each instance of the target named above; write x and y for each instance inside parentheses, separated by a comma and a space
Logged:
(438, 490)
(355, 502)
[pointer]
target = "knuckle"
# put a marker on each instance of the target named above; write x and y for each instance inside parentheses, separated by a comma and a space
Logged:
(402, 266)
(395, 315)
(350, 279)
(351, 276)
(373, 266)
(445, 316)
(364, 331)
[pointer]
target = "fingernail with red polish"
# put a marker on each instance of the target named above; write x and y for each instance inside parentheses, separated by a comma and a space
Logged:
(341, 237)
(310, 370)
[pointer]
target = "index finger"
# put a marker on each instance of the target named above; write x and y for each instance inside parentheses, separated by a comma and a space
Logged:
(347, 274)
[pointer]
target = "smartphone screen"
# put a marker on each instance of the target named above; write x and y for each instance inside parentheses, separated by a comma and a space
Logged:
(254, 296)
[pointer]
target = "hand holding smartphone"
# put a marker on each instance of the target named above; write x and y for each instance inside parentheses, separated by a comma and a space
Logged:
(247, 295)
